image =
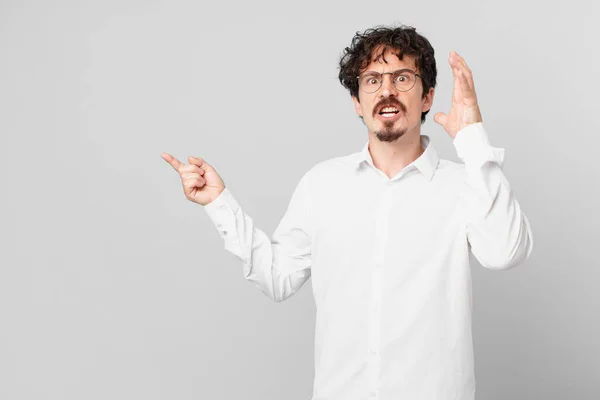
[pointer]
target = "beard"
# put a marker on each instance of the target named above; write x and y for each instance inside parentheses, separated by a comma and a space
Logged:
(388, 133)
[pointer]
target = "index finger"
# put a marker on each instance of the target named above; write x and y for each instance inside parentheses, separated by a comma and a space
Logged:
(467, 71)
(175, 163)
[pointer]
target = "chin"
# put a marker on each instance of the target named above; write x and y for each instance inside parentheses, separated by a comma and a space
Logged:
(390, 134)
(389, 131)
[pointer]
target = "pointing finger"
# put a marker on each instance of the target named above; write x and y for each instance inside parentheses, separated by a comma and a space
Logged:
(175, 163)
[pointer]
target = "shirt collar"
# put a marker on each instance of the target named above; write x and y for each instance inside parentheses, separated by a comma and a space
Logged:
(426, 163)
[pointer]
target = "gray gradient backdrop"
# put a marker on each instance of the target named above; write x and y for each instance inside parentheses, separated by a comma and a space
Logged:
(114, 286)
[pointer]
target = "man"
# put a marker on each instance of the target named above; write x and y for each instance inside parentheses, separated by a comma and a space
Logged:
(386, 232)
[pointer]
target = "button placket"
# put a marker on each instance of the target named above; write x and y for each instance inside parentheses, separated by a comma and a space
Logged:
(381, 229)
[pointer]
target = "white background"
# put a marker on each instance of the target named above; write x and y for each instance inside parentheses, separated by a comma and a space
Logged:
(114, 286)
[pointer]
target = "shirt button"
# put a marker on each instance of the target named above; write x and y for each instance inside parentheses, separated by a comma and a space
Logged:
(374, 352)
(372, 394)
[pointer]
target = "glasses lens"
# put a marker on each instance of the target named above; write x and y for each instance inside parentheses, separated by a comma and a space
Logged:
(370, 82)
(404, 80)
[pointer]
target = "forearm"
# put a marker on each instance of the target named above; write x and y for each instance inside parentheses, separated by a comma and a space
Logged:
(278, 267)
(498, 230)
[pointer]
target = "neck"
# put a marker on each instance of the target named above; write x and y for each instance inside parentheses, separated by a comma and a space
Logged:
(391, 157)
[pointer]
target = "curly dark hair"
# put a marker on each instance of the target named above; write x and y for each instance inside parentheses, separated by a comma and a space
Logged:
(404, 40)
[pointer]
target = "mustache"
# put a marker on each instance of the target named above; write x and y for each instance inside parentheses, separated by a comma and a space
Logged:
(389, 103)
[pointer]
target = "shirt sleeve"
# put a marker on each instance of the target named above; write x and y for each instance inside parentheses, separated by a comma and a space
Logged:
(278, 266)
(498, 231)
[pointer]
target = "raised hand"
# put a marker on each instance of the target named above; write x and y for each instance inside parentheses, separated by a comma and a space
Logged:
(201, 183)
(464, 109)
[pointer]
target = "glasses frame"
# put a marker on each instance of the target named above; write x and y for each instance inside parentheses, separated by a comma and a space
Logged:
(393, 73)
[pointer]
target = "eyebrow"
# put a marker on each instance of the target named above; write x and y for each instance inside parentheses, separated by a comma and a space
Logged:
(393, 72)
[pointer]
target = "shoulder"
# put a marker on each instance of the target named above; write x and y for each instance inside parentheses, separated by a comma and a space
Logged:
(450, 175)
(331, 168)
(450, 168)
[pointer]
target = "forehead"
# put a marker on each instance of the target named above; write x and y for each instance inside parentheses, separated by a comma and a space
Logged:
(387, 60)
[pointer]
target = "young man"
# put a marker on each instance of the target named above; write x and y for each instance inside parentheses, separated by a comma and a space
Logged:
(385, 232)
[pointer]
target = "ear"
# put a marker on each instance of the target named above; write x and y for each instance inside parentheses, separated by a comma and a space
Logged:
(428, 100)
(357, 106)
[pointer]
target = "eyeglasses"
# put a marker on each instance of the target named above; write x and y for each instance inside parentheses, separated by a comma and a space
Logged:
(403, 79)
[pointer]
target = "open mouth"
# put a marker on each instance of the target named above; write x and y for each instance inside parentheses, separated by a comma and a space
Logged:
(389, 112)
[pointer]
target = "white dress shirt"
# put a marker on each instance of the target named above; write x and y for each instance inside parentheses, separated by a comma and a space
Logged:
(389, 259)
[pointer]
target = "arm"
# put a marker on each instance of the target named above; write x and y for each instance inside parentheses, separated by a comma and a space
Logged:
(498, 231)
(278, 267)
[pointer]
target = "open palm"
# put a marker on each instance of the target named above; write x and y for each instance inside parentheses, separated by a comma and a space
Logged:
(464, 109)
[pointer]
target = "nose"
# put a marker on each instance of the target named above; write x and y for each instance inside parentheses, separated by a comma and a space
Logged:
(387, 86)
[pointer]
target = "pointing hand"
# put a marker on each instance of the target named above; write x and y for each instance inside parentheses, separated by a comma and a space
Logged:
(201, 183)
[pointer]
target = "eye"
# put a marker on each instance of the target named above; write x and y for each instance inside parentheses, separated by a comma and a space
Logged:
(371, 80)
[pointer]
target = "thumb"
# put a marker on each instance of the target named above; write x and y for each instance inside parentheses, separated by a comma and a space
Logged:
(440, 118)
(199, 162)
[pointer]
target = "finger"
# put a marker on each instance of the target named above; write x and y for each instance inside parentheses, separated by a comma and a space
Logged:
(458, 62)
(189, 169)
(199, 162)
(440, 118)
(197, 179)
(467, 73)
(190, 175)
(194, 183)
(175, 163)
(456, 92)
(459, 58)
(468, 93)
(462, 65)
(452, 60)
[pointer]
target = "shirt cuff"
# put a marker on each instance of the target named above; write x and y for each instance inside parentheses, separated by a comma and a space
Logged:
(221, 212)
(473, 146)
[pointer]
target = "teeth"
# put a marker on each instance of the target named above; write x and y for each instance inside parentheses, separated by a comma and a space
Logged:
(389, 109)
